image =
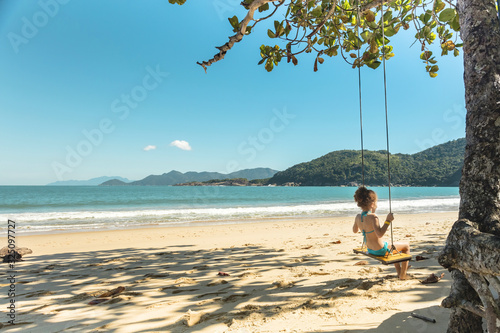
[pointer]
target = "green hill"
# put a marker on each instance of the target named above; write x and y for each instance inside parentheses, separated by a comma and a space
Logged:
(440, 165)
(176, 177)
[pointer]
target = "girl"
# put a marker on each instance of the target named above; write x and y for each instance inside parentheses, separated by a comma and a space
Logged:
(368, 223)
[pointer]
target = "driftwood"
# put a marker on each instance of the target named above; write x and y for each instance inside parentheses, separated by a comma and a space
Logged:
(21, 250)
(474, 256)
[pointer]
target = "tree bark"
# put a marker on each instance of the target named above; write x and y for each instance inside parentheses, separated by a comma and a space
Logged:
(471, 254)
(480, 182)
(470, 250)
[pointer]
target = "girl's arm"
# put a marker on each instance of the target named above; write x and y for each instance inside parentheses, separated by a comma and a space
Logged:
(379, 231)
(355, 227)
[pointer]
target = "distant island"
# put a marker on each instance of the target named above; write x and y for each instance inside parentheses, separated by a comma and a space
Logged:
(176, 177)
(90, 182)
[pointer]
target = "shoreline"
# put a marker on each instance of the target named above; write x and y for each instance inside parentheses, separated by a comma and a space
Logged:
(143, 230)
(300, 275)
(109, 226)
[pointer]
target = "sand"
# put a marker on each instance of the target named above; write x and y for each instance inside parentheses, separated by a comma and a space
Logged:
(283, 276)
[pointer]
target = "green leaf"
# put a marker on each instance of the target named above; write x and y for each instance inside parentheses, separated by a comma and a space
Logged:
(235, 23)
(439, 6)
(455, 24)
(433, 74)
(269, 65)
(366, 35)
(270, 33)
(262, 61)
(426, 55)
(447, 15)
(374, 64)
(263, 8)
(372, 25)
(389, 31)
(317, 11)
(427, 17)
(456, 52)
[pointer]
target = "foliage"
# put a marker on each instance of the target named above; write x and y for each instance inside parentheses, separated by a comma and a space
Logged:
(437, 166)
(228, 182)
(358, 31)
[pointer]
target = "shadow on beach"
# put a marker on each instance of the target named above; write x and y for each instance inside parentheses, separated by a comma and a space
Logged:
(178, 289)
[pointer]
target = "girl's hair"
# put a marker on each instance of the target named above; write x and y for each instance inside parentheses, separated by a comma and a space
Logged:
(364, 197)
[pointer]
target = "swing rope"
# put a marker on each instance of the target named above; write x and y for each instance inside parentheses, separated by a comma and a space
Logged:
(360, 104)
(386, 121)
(386, 114)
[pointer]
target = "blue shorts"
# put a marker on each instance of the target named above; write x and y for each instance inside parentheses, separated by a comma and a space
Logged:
(380, 252)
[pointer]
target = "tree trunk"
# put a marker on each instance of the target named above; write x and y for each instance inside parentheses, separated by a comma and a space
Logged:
(470, 250)
(480, 182)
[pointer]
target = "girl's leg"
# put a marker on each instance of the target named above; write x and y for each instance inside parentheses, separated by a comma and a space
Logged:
(402, 267)
(398, 268)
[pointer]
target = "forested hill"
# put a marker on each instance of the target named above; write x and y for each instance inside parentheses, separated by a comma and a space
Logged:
(440, 165)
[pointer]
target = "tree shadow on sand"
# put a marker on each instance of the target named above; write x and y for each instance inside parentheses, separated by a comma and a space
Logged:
(177, 289)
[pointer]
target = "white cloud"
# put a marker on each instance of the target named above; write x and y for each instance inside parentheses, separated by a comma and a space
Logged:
(181, 144)
(149, 147)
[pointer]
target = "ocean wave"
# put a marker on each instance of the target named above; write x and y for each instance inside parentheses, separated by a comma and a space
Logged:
(128, 218)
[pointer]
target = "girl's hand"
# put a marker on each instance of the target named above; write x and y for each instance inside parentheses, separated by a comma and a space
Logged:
(390, 217)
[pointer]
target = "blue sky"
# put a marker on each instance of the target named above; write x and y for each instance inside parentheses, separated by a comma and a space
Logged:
(92, 88)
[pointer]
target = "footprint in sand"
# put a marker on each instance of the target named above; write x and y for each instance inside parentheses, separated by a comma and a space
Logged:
(367, 285)
(39, 293)
(77, 298)
(249, 275)
(234, 298)
(159, 305)
(370, 270)
(217, 283)
(208, 301)
(156, 275)
(201, 267)
(178, 291)
(193, 318)
(284, 284)
(184, 281)
(217, 293)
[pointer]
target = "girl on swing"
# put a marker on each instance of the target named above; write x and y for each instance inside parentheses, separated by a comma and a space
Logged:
(368, 223)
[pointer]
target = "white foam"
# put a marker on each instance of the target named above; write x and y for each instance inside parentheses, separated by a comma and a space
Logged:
(118, 219)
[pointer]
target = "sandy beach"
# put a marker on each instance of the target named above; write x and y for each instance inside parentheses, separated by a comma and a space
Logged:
(282, 276)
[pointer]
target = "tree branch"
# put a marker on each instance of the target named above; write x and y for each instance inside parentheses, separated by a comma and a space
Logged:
(327, 17)
(468, 249)
(238, 36)
(478, 311)
(494, 282)
(479, 284)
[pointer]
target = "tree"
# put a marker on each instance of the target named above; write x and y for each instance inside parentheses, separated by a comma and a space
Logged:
(360, 32)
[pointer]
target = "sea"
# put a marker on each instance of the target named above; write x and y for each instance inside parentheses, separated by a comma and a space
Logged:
(54, 209)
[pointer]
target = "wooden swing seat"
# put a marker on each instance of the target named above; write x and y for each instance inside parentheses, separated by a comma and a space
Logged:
(389, 258)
